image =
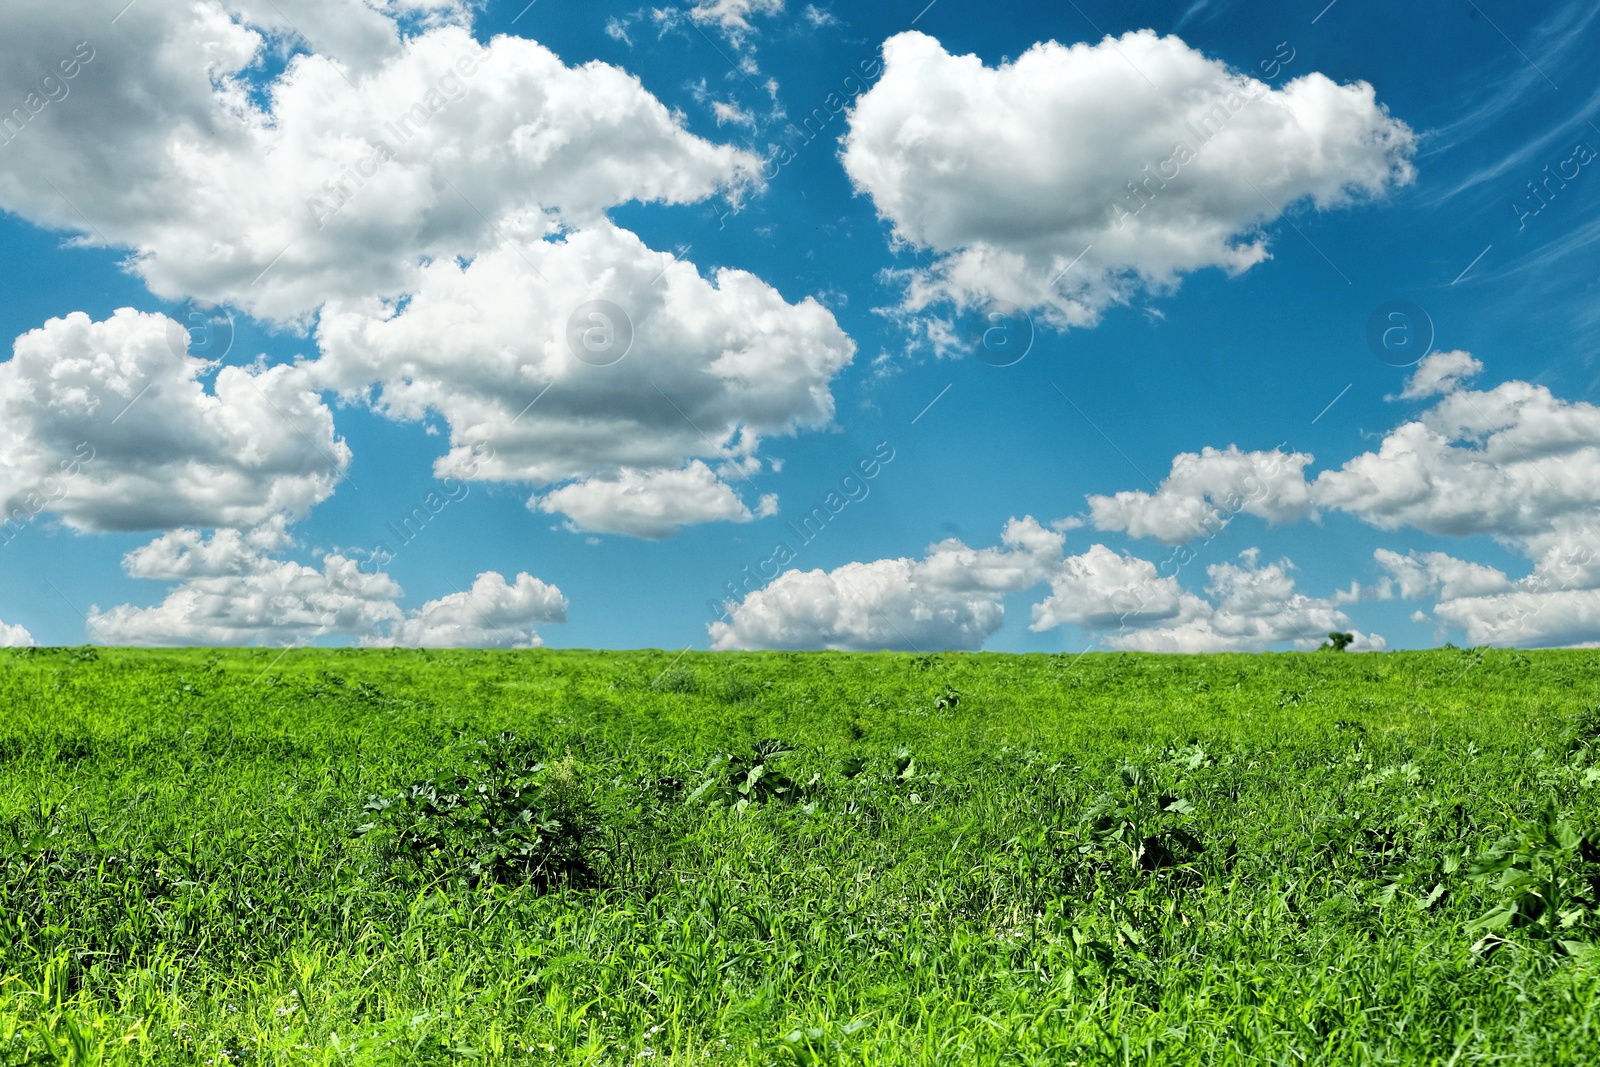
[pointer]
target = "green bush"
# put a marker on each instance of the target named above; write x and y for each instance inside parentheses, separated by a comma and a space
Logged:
(506, 820)
(742, 779)
(1543, 880)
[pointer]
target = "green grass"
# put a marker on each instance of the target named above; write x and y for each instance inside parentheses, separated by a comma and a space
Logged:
(959, 859)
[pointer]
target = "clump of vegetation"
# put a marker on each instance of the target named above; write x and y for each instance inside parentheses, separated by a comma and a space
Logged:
(1544, 880)
(1584, 731)
(505, 819)
(676, 680)
(742, 779)
(1336, 642)
(1141, 827)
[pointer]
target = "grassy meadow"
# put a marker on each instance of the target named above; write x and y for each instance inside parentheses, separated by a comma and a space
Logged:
(402, 857)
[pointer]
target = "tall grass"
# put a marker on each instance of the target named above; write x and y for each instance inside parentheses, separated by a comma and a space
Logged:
(566, 857)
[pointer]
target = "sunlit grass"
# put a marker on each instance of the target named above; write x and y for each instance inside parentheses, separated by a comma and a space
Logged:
(808, 859)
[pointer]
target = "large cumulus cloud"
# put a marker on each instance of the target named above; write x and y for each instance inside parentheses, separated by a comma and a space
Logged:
(1138, 154)
(438, 206)
(335, 178)
(109, 425)
(637, 368)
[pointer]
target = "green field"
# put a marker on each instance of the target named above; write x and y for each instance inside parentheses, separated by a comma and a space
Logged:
(622, 858)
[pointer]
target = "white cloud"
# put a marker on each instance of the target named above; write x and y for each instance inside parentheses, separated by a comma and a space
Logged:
(179, 555)
(360, 35)
(1100, 589)
(1509, 462)
(1011, 173)
(652, 505)
(492, 614)
(704, 369)
(13, 636)
(1029, 553)
(727, 112)
(1126, 604)
(1423, 574)
(232, 591)
(259, 601)
(1567, 555)
(1514, 463)
(1254, 606)
(1206, 490)
(732, 17)
(1558, 603)
(108, 425)
(336, 187)
(949, 599)
(952, 598)
(1439, 374)
(415, 170)
(1526, 617)
(817, 17)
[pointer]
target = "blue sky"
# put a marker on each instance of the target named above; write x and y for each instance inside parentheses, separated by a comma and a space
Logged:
(1391, 157)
